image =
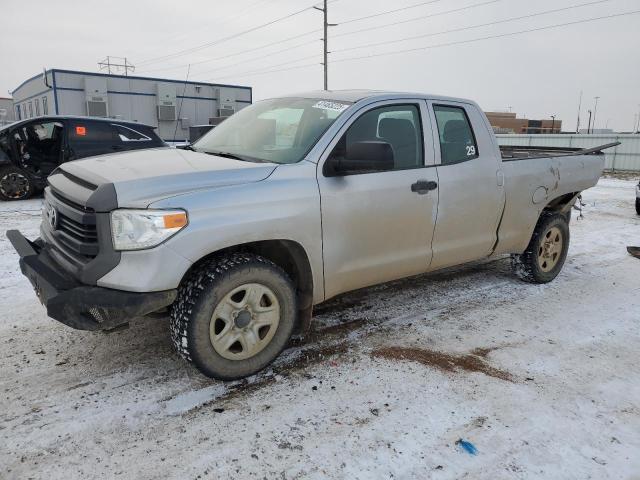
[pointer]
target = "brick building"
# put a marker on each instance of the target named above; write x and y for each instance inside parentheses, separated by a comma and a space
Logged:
(507, 122)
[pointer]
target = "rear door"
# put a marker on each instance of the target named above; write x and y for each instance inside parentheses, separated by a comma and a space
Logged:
(86, 138)
(377, 226)
(471, 185)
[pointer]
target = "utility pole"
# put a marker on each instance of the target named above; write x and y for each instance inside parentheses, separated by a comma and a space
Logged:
(553, 123)
(589, 126)
(325, 40)
(595, 111)
(579, 108)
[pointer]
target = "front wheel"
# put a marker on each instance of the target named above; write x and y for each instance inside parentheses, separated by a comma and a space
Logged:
(234, 315)
(547, 250)
(15, 184)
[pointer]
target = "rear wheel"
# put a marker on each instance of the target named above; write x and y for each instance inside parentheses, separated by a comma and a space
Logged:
(234, 315)
(547, 250)
(15, 184)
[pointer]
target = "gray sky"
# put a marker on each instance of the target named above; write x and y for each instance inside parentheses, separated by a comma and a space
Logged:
(537, 74)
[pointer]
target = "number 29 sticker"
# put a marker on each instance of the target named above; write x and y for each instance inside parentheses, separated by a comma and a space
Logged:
(471, 150)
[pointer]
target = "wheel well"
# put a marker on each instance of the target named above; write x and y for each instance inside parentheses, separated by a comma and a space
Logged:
(562, 203)
(288, 255)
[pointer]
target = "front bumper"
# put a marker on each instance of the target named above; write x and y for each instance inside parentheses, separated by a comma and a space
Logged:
(80, 306)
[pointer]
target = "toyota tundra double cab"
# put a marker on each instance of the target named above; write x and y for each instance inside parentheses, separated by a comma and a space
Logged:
(288, 203)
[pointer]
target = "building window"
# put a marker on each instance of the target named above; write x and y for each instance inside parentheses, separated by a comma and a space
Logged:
(18, 116)
(45, 106)
(30, 109)
(37, 102)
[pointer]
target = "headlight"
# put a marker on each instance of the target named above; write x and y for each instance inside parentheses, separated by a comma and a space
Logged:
(140, 229)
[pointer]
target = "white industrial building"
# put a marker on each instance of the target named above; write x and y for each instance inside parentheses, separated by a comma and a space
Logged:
(170, 105)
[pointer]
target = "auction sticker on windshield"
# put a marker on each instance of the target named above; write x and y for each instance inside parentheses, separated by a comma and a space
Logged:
(336, 107)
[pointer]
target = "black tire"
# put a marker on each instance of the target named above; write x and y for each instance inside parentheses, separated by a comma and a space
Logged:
(204, 289)
(638, 205)
(528, 265)
(15, 184)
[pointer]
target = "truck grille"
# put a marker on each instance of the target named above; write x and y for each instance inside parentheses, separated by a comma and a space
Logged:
(83, 233)
(75, 229)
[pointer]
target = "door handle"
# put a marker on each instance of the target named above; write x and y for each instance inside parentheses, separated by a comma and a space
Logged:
(423, 186)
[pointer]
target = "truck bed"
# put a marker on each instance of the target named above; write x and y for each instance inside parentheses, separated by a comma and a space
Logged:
(517, 152)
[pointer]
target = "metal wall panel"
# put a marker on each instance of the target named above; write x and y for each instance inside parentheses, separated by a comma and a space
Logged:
(623, 157)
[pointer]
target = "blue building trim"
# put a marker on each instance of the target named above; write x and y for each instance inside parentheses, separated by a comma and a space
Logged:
(55, 92)
(115, 92)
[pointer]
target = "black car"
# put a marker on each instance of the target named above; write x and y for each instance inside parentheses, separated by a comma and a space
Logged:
(31, 149)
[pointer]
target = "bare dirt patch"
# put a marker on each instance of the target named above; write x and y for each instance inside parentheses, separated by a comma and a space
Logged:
(472, 362)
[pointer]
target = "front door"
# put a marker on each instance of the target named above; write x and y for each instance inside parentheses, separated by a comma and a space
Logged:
(40, 147)
(378, 226)
(471, 186)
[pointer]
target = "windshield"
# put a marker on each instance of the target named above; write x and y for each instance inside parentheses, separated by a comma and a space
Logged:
(281, 130)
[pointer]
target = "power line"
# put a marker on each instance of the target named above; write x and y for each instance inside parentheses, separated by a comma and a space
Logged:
(441, 45)
(263, 72)
(224, 39)
(253, 59)
(448, 44)
(230, 55)
(401, 9)
(470, 27)
(415, 19)
(289, 62)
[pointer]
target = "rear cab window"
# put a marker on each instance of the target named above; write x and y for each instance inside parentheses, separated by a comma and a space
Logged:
(457, 140)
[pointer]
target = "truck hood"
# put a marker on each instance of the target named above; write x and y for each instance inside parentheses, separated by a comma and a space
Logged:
(145, 176)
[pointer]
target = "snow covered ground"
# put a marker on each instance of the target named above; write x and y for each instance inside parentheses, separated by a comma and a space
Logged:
(542, 380)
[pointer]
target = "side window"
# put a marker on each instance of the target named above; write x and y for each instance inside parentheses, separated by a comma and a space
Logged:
(457, 141)
(398, 125)
(126, 134)
(45, 106)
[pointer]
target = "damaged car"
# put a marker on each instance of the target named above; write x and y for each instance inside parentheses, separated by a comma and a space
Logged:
(31, 149)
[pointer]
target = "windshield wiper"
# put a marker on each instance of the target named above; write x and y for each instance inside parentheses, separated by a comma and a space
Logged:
(235, 156)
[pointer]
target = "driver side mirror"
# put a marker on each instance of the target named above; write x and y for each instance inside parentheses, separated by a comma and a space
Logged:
(360, 157)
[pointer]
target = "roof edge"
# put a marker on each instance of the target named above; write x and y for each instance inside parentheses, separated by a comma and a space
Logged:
(133, 77)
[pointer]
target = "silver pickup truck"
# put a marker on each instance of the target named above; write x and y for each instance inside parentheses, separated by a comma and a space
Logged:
(288, 203)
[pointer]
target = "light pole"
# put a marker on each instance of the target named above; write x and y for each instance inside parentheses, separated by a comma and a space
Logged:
(579, 108)
(553, 123)
(595, 111)
(589, 124)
